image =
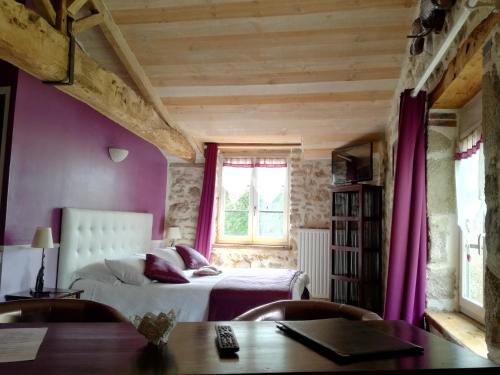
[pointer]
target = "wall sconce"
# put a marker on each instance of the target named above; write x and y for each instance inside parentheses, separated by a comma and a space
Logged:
(117, 154)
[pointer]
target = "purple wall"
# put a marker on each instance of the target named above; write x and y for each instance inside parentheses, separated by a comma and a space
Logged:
(59, 158)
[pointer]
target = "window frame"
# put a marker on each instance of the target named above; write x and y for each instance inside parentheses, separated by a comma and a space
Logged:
(253, 221)
(465, 305)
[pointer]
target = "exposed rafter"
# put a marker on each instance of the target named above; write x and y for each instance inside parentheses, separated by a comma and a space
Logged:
(462, 79)
(87, 22)
(129, 60)
(75, 6)
(33, 45)
(46, 10)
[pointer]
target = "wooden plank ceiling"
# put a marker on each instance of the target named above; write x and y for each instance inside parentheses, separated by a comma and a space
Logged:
(320, 72)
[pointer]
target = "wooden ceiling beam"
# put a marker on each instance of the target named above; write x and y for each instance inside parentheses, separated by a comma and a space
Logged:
(270, 68)
(46, 10)
(87, 22)
(214, 11)
(30, 43)
(129, 60)
(326, 36)
(335, 97)
(305, 76)
(62, 16)
(462, 79)
(397, 17)
(279, 89)
(75, 7)
(159, 55)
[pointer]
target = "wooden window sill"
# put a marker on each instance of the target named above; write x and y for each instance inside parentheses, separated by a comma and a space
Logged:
(251, 246)
(458, 328)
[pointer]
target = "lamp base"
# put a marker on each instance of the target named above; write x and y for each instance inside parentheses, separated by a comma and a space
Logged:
(43, 293)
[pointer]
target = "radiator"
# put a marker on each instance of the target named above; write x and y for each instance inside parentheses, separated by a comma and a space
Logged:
(314, 259)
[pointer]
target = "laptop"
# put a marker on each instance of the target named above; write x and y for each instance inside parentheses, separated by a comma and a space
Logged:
(347, 340)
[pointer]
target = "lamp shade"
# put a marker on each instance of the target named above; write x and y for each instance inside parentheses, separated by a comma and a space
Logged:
(173, 233)
(43, 238)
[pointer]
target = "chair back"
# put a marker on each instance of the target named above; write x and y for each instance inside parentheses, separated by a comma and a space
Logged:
(46, 310)
(306, 310)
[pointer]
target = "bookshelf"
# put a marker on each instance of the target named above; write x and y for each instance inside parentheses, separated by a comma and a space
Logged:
(356, 245)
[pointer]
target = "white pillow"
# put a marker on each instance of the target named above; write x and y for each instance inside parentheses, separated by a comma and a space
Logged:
(170, 255)
(128, 270)
(96, 271)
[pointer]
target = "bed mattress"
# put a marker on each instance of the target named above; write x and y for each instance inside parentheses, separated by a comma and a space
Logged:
(189, 301)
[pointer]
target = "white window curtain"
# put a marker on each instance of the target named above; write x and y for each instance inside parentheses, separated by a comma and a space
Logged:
(255, 162)
(469, 145)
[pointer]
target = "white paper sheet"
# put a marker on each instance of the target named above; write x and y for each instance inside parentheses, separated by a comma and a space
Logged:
(20, 344)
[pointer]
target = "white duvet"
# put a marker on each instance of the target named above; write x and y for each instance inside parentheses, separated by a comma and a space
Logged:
(189, 301)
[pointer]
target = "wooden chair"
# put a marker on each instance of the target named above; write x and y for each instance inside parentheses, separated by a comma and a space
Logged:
(45, 310)
(306, 310)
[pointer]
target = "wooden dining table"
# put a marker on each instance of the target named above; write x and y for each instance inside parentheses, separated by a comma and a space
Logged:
(117, 348)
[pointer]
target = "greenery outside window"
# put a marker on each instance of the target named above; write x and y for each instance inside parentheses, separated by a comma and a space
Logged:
(253, 204)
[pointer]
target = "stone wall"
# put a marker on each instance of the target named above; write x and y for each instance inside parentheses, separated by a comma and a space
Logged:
(185, 181)
(491, 132)
(440, 273)
(253, 257)
(309, 195)
(310, 182)
(309, 208)
(443, 266)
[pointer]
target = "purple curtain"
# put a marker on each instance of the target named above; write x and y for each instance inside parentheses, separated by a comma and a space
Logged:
(405, 297)
(203, 242)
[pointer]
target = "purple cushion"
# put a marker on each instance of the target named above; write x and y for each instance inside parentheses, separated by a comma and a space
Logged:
(191, 257)
(160, 270)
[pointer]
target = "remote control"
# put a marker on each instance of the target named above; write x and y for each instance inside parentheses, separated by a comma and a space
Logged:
(226, 341)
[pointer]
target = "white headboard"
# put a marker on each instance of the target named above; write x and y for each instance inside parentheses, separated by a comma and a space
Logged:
(89, 236)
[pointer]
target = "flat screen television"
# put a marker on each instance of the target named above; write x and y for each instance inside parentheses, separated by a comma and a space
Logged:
(352, 164)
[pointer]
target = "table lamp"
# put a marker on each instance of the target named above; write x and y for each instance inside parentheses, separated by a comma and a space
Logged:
(42, 239)
(173, 233)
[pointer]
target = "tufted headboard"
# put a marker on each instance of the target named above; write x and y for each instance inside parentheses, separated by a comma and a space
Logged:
(89, 236)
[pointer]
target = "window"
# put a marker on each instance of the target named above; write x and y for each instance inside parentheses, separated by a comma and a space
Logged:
(471, 210)
(253, 201)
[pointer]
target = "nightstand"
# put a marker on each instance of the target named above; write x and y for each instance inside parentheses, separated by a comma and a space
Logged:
(54, 293)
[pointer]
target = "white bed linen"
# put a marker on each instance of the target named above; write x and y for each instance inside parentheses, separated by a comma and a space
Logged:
(189, 301)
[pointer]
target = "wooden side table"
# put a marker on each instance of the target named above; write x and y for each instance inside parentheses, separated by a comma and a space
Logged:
(53, 293)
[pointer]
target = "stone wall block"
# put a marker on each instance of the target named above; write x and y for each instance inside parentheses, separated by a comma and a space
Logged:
(491, 133)
(492, 318)
(438, 142)
(440, 293)
(440, 185)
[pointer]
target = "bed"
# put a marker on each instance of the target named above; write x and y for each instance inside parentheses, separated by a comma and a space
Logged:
(90, 236)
